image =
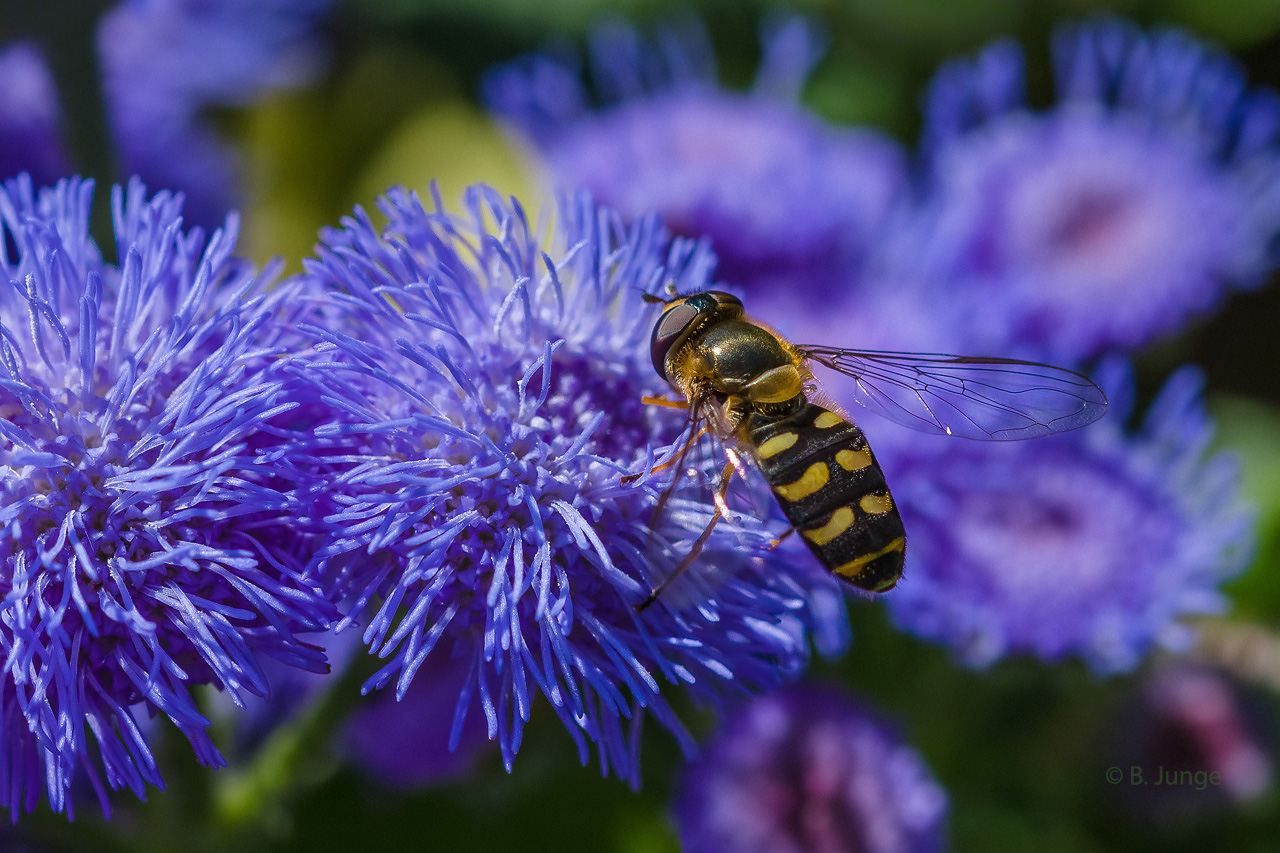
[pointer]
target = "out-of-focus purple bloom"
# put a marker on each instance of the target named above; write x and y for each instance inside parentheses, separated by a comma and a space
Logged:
(788, 200)
(406, 742)
(807, 770)
(486, 376)
(1198, 744)
(1133, 205)
(1093, 543)
(29, 110)
(151, 540)
(166, 59)
(163, 63)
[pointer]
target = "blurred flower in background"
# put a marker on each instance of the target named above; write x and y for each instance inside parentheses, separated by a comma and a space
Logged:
(1095, 543)
(792, 205)
(1132, 206)
(408, 741)
(29, 116)
(486, 388)
(150, 545)
(808, 770)
(164, 63)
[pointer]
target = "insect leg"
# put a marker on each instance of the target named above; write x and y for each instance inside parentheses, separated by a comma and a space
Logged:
(726, 477)
(678, 459)
(664, 402)
(781, 538)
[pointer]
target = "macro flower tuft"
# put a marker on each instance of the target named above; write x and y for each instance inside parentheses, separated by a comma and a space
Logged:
(1133, 205)
(485, 374)
(1094, 543)
(787, 200)
(808, 769)
(150, 543)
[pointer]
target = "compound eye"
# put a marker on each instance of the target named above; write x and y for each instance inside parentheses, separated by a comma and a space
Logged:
(673, 326)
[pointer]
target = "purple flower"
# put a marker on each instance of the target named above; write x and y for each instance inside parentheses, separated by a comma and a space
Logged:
(150, 543)
(406, 743)
(807, 770)
(787, 200)
(486, 376)
(1094, 543)
(163, 63)
(1134, 204)
(167, 59)
(29, 116)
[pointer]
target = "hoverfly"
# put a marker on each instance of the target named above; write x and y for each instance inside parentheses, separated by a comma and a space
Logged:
(742, 381)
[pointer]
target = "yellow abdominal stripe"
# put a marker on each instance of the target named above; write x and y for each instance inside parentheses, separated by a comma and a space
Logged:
(778, 443)
(853, 460)
(876, 503)
(853, 568)
(827, 420)
(839, 523)
(810, 482)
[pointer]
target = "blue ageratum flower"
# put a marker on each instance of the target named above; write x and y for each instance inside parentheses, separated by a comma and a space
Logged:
(787, 199)
(485, 375)
(1134, 204)
(1095, 543)
(808, 769)
(163, 63)
(150, 544)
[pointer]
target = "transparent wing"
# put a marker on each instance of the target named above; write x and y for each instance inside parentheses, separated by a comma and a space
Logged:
(990, 399)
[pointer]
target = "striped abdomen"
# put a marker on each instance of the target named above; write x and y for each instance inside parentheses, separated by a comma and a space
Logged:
(833, 492)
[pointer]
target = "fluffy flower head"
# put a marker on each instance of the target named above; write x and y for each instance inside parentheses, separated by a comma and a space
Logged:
(486, 375)
(147, 544)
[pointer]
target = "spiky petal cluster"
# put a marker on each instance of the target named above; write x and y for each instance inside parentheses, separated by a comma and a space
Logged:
(807, 769)
(787, 200)
(1094, 543)
(486, 376)
(148, 545)
(1135, 203)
